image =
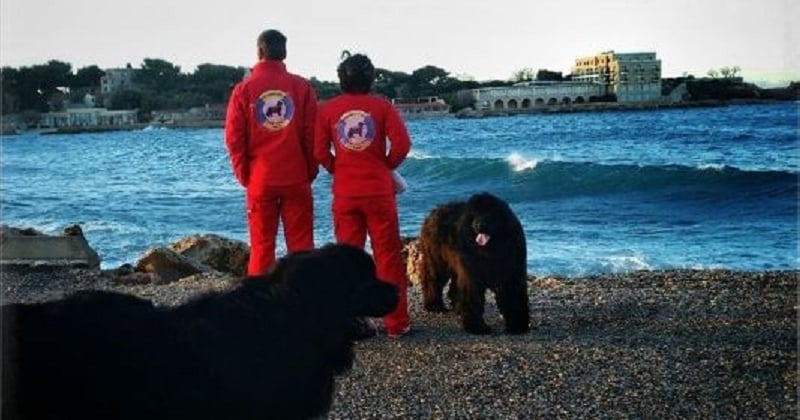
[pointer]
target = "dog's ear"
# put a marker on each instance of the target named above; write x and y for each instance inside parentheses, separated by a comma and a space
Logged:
(374, 299)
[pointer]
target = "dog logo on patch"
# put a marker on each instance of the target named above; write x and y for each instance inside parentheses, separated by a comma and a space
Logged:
(356, 130)
(274, 109)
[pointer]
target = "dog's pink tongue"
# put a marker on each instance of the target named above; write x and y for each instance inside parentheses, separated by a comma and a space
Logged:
(482, 239)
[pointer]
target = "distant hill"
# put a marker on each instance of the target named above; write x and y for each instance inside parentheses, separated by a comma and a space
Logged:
(722, 89)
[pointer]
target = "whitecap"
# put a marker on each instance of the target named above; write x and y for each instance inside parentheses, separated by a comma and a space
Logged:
(712, 166)
(520, 163)
(626, 263)
(419, 154)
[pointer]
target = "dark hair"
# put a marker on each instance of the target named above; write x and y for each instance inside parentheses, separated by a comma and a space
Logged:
(272, 45)
(356, 74)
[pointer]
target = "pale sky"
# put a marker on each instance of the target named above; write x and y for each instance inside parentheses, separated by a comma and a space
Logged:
(484, 39)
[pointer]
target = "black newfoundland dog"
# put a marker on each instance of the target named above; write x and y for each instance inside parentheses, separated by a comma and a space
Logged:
(268, 348)
(476, 245)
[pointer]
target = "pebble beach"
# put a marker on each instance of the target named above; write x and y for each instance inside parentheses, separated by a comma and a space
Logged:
(647, 344)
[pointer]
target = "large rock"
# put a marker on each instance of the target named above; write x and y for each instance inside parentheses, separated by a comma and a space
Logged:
(222, 254)
(26, 246)
(166, 266)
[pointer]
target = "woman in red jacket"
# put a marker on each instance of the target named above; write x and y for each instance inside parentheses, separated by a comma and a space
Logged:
(357, 125)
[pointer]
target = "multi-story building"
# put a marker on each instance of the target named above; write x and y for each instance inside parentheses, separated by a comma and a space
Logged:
(116, 79)
(632, 77)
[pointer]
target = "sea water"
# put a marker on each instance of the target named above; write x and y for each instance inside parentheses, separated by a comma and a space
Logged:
(595, 192)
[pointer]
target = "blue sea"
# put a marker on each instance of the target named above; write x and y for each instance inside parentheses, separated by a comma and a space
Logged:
(596, 192)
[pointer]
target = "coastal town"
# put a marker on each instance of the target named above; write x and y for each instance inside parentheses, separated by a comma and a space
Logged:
(606, 81)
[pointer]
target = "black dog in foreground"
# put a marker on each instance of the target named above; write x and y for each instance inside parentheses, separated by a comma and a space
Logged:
(267, 349)
(475, 245)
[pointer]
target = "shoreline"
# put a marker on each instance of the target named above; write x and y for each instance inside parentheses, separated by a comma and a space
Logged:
(647, 344)
(466, 113)
(613, 107)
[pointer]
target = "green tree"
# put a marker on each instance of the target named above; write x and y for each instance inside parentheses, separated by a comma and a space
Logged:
(729, 72)
(214, 81)
(325, 90)
(9, 77)
(429, 75)
(428, 80)
(158, 74)
(29, 88)
(392, 84)
(87, 77)
(549, 75)
(127, 99)
(523, 75)
(53, 75)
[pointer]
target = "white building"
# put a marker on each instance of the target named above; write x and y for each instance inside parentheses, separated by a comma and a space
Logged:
(88, 117)
(535, 94)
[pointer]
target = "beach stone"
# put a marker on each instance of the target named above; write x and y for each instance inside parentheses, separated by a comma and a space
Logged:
(220, 253)
(127, 275)
(167, 266)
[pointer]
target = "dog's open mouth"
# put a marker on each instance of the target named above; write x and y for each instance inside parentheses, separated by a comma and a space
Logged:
(482, 239)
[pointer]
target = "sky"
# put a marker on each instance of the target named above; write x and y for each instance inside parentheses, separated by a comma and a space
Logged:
(471, 39)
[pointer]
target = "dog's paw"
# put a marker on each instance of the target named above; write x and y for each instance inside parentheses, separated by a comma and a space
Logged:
(517, 329)
(436, 307)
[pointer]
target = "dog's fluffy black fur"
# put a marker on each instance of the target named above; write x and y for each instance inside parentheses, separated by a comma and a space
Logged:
(450, 252)
(268, 348)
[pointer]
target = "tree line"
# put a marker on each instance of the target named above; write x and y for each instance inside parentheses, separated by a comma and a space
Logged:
(159, 85)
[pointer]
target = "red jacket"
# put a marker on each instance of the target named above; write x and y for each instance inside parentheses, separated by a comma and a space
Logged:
(357, 125)
(269, 128)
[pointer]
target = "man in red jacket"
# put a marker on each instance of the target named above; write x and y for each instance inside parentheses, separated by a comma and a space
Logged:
(269, 133)
(357, 124)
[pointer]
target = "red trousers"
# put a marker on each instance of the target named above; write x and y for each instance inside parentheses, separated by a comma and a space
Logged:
(294, 206)
(353, 219)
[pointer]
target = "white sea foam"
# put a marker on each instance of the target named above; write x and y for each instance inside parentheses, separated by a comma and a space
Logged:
(712, 166)
(46, 226)
(520, 163)
(152, 127)
(111, 226)
(419, 154)
(626, 263)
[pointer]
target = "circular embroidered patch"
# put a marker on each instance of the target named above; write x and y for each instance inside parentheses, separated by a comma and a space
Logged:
(274, 109)
(356, 130)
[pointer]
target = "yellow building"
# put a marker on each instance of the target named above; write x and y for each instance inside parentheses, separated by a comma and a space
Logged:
(632, 77)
